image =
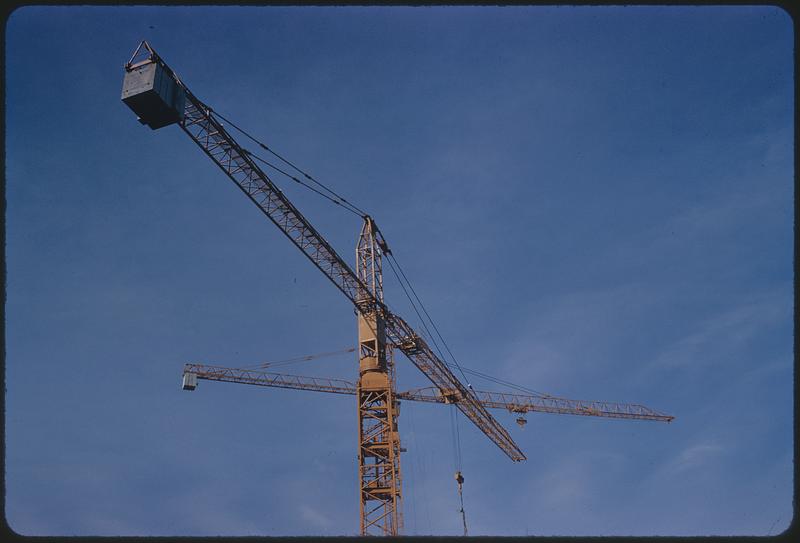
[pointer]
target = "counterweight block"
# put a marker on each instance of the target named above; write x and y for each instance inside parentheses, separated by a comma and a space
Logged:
(153, 95)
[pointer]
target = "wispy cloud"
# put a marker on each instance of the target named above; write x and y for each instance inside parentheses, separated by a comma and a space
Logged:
(314, 517)
(726, 332)
(568, 482)
(570, 334)
(693, 457)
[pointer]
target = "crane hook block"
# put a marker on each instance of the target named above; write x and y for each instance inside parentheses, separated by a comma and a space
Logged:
(459, 478)
(153, 94)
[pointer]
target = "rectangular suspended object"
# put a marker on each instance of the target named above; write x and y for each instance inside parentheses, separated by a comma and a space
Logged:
(153, 95)
(189, 381)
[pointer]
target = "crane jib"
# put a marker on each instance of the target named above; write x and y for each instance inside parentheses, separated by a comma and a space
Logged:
(513, 402)
(198, 122)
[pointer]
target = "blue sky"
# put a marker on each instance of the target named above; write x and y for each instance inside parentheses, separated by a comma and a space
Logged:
(592, 202)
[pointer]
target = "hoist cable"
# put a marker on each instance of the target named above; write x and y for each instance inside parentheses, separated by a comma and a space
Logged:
(454, 438)
(458, 439)
(458, 366)
(426, 332)
(298, 359)
(454, 432)
(455, 364)
(286, 161)
(506, 383)
(463, 513)
(309, 187)
(392, 257)
(414, 464)
(413, 305)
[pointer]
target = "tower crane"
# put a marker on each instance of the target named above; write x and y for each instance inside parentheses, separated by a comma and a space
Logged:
(159, 98)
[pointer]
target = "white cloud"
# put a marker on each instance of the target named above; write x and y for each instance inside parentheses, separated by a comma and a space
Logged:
(695, 456)
(689, 458)
(571, 335)
(566, 485)
(314, 517)
(727, 331)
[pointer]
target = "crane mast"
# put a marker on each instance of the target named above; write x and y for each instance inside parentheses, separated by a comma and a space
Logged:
(378, 438)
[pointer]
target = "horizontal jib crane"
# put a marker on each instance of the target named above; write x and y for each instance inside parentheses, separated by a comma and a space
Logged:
(515, 403)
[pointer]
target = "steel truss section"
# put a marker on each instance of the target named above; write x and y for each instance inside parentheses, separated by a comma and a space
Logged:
(523, 403)
(379, 463)
(369, 262)
(417, 350)
(219, 145)
(280, 380)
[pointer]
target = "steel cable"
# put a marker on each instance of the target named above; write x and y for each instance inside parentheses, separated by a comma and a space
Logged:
(309, 187)
(297, 359)
(413, 305)
(356, 209)
(392, 257)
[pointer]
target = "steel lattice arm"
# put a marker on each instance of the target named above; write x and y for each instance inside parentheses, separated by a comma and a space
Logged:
(280, 380)
(211, 136)
(517, 403)
(415, 348)
(237, 164)
(524, 403)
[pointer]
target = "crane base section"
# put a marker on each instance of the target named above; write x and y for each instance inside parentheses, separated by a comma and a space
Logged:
(153, 95)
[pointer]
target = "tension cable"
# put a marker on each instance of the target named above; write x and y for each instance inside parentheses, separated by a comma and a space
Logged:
(336, 196)
(345, 205)
(298, 359)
